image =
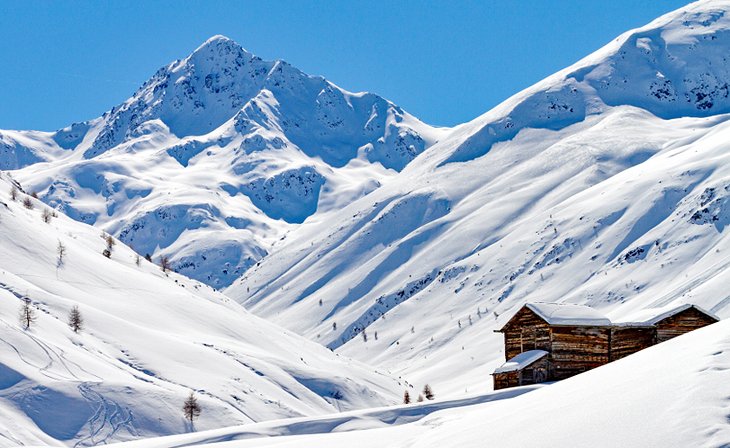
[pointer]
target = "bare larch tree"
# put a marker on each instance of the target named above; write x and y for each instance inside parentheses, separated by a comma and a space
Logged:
(191, 408)
(27, 314)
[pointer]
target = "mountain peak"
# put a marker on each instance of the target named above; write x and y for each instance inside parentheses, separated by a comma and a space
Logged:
(217, 38)
(219, 44)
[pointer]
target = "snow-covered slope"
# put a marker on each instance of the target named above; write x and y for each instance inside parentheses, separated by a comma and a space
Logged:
(216, 157)
(672, 395)
(149, 338)
(606, 184)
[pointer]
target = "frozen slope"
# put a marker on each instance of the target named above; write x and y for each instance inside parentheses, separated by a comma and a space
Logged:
(673, 394)
(216, 157)
(149, 338)
(586, 188)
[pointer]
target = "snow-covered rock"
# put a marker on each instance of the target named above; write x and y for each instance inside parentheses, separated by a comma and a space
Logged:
(218, 156)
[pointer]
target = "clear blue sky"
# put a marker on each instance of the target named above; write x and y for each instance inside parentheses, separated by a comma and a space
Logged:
(445, 62)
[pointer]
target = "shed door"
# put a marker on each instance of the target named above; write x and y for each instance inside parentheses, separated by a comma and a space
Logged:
(539, 374)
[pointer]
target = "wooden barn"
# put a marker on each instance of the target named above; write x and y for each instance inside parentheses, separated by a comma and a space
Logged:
(550, 341)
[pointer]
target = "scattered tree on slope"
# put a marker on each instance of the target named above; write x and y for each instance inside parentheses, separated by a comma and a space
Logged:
(165, 263)
(428, 392)
(191, 408)
(75, 321)
(60, 251)
(27, 314)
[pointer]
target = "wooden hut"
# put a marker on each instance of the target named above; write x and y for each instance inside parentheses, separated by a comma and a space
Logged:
(655, 325)
(576, 338)
(571, 339)
(529, 367)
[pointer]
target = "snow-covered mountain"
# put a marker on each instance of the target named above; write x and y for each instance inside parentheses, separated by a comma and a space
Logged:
(216, 157)
(148, 339)
(606, 184)
(378, 237)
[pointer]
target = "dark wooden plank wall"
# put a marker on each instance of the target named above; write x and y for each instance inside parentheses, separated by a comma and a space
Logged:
(628, 340)
(537, 372)
(681, 323)
(577, 349)
(526, 331)
(507, 379)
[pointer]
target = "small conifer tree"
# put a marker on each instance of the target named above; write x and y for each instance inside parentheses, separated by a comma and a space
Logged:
(75, 321)
(110, 242)
(165, 263)
(191, 408)
(27, 314)
(428, 392)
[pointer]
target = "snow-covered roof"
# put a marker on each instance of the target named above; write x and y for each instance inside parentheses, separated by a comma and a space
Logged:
(568, 314)
(652, 316)
(521, 361)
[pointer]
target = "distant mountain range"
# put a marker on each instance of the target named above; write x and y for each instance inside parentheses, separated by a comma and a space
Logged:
(216, 157)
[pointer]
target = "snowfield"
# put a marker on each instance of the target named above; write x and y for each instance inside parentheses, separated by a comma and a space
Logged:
(673, 394)
(586, 188)
(149, 338)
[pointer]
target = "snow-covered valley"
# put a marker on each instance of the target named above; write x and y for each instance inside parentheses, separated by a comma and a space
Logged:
(674, 394)
(149, 338)
(559, 194)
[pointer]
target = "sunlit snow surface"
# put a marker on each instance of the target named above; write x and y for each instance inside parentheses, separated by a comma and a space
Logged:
(674, 394)
(585, 188)
(149, 339)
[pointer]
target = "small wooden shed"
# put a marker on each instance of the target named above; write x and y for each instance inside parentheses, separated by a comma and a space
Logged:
(529, 367)
(552, 341)
(672, 321)
(576, 337)
(652, 326)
